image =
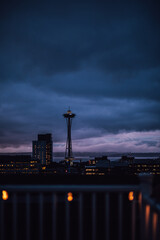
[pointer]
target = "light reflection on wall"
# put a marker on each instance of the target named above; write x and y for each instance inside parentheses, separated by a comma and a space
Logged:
(155, 220)
(147, 216)
(140, 201)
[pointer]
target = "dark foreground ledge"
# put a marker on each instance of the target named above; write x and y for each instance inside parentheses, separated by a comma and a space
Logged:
(72, 179)
(67, 179)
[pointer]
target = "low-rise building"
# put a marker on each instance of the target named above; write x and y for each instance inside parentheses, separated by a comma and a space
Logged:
(18, 164)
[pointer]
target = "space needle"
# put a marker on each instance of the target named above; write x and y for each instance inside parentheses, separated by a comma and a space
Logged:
(68, 152)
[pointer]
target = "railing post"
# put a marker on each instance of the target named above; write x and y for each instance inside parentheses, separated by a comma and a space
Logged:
(150, 224)
(107, 216)
(146, 190)
(158, 229)
(93, 216)
(1, 217)
(80, 216)
(120, 218)
(67, 220)
(40, 216)
(28, 216)
(15, 216)
(133, 219)
(54, 213)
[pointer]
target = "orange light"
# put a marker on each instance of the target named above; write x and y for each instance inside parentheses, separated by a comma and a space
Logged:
(4, 195)
(140, 200)
(131, 196)
(69, 196)
(155, 219)
(147, 219)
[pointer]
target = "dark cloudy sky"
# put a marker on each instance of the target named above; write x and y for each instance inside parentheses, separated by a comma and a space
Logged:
(101, 59)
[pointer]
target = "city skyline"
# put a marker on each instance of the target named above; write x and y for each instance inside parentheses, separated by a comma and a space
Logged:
(101, 59)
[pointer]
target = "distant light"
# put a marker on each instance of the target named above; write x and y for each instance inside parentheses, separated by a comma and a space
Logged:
(4, 195)
(131, 196)
(69, 196)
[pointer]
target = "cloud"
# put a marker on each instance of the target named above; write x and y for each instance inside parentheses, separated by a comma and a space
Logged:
(29, 111)
(100, 59)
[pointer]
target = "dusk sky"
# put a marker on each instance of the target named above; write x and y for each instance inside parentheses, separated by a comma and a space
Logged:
(101, 59)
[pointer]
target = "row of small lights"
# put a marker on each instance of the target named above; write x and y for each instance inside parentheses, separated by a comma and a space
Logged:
(69, 196)
(5, 196)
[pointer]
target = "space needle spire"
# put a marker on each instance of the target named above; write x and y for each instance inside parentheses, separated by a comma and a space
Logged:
(68, 152)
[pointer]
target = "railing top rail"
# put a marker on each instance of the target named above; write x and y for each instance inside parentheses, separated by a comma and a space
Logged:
(74, 188)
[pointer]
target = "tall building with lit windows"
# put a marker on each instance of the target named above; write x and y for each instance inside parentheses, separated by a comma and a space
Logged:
(42, 148)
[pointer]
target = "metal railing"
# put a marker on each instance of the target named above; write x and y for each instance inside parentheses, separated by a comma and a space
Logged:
(150, 219)
(96, 212)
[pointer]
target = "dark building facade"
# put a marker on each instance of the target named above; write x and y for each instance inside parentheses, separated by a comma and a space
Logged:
(42, 148)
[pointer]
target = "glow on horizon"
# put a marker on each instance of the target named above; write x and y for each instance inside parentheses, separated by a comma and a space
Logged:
(120, 142)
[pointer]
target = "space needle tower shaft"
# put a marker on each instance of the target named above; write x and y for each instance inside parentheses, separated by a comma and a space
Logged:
(69, 116)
